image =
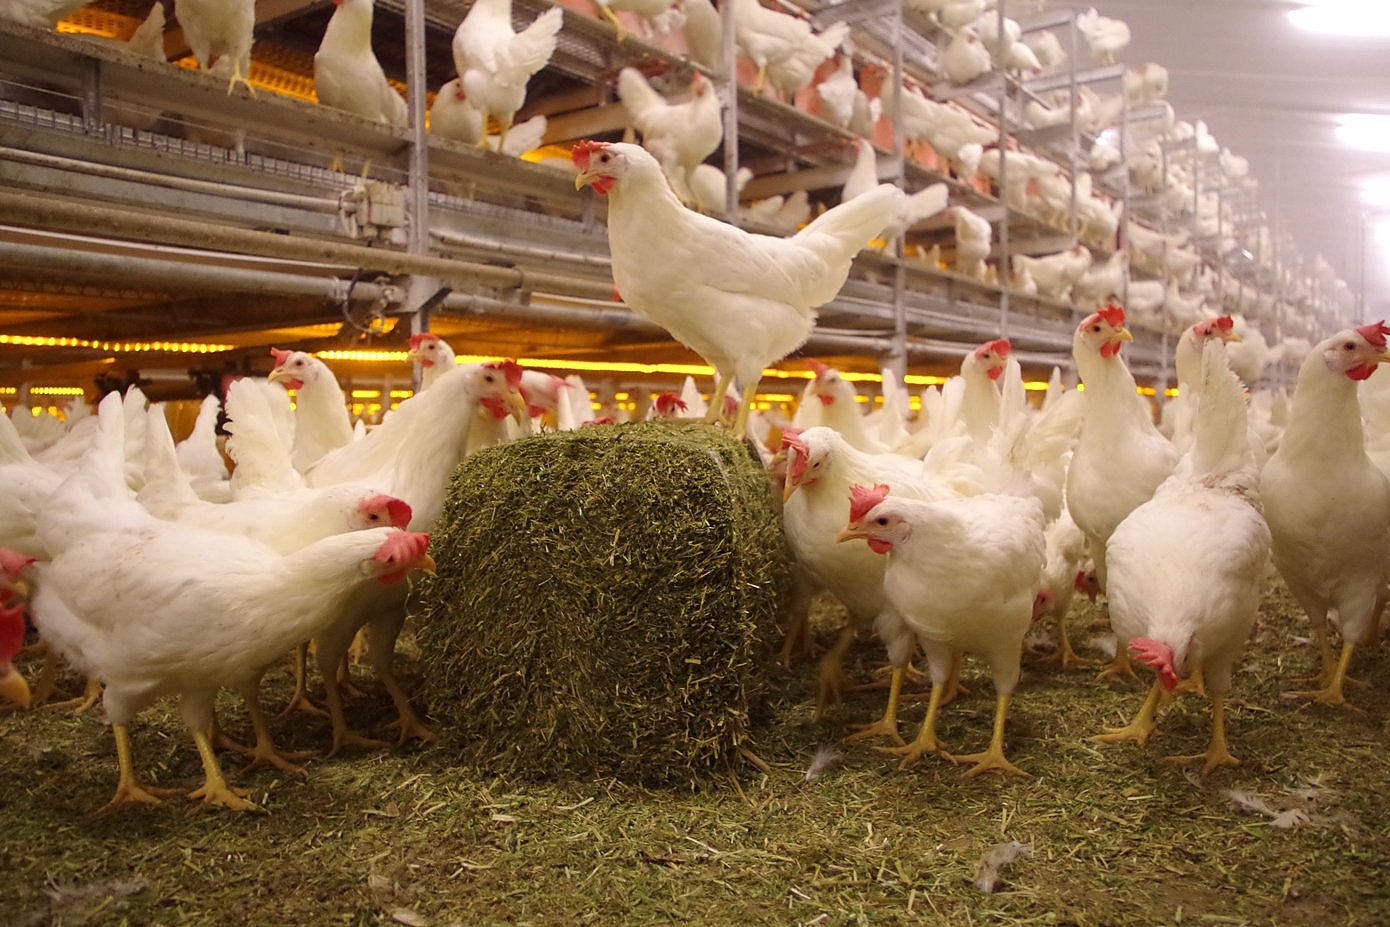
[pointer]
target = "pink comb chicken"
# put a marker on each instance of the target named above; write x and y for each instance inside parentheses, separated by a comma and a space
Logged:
(669, 405)
(962, 575)
(321, 421)
(739, 300)
(1328, 505)
(981, 370)
(1187, 364)
(1187, 567)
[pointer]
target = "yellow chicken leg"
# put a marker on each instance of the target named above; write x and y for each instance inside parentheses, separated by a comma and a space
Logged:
(1120, 666)
(214, 789)
(716, 401)
(613, 18)
(1331, 693)
(887, 726)
(1143, 724)
(1217, 752)
(925, 741)
(830, 673)
(264, 753)
(128, 789)
(992, 760)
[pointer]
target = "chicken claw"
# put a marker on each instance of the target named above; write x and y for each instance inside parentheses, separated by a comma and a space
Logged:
(214, 790)
(412, 728)
(991, 760)
(128, 790)
(1138, 730)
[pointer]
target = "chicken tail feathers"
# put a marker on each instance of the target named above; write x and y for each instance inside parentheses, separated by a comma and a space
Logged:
(536, 43)
(838, 234)
(1220, 445)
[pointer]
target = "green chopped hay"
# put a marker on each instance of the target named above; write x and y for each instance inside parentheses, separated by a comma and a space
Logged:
(605, 604)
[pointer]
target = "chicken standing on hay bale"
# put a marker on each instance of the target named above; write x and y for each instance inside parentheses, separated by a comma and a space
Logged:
(606, 603)
(739, 300)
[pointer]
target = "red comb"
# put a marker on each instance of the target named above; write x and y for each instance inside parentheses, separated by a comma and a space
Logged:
(820, 367)
(420, 338)
(1224, 322)
(669, 402)
(999, 346)
(510, 369)
(403, 548)
(1374, 333)
(1113, 315)
(13, 562)
(397, 509)
(792, 441)
(1159, 656)
(11, 632)
(280, 356)
(863, 498)
(581, 151)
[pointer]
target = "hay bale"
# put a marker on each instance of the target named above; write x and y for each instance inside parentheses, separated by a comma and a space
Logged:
(605, 603)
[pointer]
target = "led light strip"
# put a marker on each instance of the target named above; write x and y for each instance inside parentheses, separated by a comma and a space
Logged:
(120, 347)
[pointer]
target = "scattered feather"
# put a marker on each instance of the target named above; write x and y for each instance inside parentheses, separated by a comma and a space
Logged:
(1287, 820)
(1104, 644)
(1248, 802)
(987, 877)
(826, 759)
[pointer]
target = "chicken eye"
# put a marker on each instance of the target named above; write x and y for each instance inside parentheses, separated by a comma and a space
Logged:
(1350, 345)
(881, 520)
(603, 158)
(374, 516)
(1096, 327)
(487, 378)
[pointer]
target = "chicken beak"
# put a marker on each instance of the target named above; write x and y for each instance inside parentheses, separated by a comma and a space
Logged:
(1381, 357)
(583, 179)
(277, 374)
(14, 689)
(1232, 338)
(852, 533)
(789, 488)
(426, 564)
(516, 404)
(1123, 334)
(19, 589)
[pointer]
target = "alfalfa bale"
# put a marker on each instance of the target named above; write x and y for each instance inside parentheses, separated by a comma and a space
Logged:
(605, 603)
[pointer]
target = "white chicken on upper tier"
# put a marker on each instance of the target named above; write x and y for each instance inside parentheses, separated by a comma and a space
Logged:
(771, 39)
(796, 71)
(961, 578)
(41, 14)
(454, 116)
(916, 207)
(347, 75)
(1104, 36)
(1327, 503)
(844, 103)
(1185, 569)
(214, 28)
(496, 63)
(679, 135)
(739, 300)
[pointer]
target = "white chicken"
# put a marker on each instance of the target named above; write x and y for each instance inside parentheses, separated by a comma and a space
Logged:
(14, 591)
(796, 71)
(771, 39)
(321, 421)
(347, 74)
(973, 236)
(965, 58)
(433, 354)
(1145, 84)
(648, 11)
(454, 116)
(495, 63)
(961, 578)
(1104, 36)
(739, 300)
(215, 28)
(1064, 567)
(709, 186)
(679, 135)
(832, 401)
(951, 131)
(41, 14)
(1120, 457)
(1056, 274)
(704, 33)
(1101, 283)
(1180, 414)
(1327, 503)
(916, 207)
(844, 104)
(821, 468)
(1185, 569)
(128, 598)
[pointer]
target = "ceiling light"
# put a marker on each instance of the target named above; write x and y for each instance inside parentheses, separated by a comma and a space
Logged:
(1365, 19)
(1366, 131)
(1375, 191)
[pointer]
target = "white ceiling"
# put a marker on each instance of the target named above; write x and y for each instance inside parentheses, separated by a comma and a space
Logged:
(1270, 92)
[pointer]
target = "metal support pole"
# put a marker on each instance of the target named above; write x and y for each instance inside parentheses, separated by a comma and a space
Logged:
(730, 78)
(896, 360)
(1004, 263)
(417, 242)
(91, 96)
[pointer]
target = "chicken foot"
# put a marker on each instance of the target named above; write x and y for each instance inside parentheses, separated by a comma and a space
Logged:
(264, 753)
(1143, 724)
(1065, 656)
(214, 790)
(1217, 753)
(128, 788)
(992, 759)
(954, 689)
(887, 726)
(925, 741)
(830, 673)
(299, 698)
(1331, 693)
(1120, 666)
(613, 18)
(381, 645)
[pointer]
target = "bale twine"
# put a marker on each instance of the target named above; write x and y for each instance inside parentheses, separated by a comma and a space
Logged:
(605, 603)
